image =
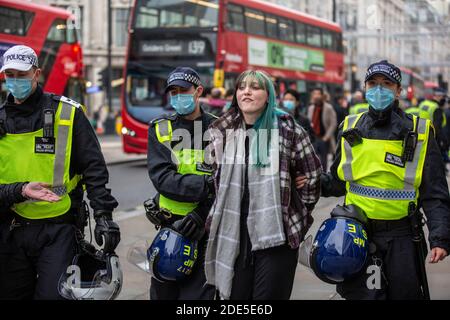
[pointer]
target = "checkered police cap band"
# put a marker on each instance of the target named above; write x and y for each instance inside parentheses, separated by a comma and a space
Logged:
(191, 78)
(21, 58)
(389, 71)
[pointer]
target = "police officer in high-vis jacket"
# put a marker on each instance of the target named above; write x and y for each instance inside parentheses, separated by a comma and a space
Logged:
(48, 152)
(360, 105)
(182, 178)
(388, 163)
(433, 109)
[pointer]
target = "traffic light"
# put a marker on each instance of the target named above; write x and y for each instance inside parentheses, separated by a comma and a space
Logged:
(103, 79)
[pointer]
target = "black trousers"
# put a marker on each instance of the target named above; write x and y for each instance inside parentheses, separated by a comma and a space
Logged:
(193, 287)
(399, 277)
(32, 259)
(322, 149)
(269, 275)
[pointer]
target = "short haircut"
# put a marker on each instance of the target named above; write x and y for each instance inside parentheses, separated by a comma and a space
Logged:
(318, 89)
(294, 93)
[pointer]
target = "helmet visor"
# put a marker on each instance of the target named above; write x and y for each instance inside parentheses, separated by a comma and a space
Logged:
(304, 251)
(92, 280)
(137, 255)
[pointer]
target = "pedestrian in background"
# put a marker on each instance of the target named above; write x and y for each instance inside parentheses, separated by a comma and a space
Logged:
(359, 103)
(291, 104)
(341, 109)
(323, 121)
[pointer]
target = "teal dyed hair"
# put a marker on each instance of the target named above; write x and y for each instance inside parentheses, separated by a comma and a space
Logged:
(267, 120)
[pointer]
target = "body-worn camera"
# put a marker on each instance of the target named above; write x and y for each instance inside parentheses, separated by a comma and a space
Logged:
(352, 136)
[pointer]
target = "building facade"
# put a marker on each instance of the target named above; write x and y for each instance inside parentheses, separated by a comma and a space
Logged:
(411, 33)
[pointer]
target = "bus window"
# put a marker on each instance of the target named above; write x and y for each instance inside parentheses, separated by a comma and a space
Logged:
(313, 36)
(15, 22)
(147, 18)
(176, 14)
(300, 32)
(58, 31)
(286, 29)
(272, 26)
(254, 22)
(147, 91)
(172, 17)
(235, 19)
(327, 40)
(338, 42)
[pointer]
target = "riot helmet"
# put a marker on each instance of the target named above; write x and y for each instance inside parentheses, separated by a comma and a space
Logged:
(340, 248)
(171, 256)
(93, 275)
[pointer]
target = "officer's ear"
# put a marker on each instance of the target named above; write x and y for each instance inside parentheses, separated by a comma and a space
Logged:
(399, 91)
(199, 91)
(37, 73)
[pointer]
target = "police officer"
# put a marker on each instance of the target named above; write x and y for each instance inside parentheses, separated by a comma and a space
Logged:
(433, 109)
(48, 149)
(414, 110)
(387, 162)
(359, 103)
(184, 183)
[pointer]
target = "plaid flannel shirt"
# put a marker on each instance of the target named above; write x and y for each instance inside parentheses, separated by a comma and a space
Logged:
(297, 157)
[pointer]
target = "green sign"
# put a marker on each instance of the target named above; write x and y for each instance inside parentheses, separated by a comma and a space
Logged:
(277, 55)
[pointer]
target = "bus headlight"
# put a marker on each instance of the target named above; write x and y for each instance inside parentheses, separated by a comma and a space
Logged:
(128, 132)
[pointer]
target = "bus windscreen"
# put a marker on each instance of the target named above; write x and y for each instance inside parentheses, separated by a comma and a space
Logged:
(176, 14)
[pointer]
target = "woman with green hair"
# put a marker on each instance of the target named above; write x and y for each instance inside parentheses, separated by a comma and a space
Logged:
(267, 180)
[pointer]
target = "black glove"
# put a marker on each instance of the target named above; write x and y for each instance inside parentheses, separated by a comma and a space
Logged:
(210, 185)
(106, 229)
(191, 226)
(156, 216)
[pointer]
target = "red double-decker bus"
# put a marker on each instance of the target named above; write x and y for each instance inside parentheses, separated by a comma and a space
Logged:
(220, 39)
(52, 34)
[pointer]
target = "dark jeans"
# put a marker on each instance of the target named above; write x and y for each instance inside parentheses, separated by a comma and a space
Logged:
(322, 148)
(33, 258)
(269, 276)
(193, 287)
(394, 246)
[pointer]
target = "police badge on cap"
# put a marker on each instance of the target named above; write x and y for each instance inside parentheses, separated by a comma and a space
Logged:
(386, 69)
(184, 77)
(19, 58)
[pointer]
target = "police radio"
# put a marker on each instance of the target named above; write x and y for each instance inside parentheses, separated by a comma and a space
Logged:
(409, 146)
(49, 117)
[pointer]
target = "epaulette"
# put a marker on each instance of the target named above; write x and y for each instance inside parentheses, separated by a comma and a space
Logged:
(409, 116)
(171, 117)
(70, 101)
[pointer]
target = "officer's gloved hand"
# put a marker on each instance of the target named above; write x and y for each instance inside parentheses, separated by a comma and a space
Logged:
(191, 226)
(211, 187)
(107, 230)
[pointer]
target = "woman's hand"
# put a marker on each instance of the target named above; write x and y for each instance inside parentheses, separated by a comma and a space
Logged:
(437, 254)
(300, 182)
(39, 191)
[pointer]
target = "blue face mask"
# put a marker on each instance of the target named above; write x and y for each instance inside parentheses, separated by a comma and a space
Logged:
(380, 97)
(183, 103)
(289, 105)
(19, 88)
